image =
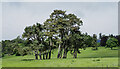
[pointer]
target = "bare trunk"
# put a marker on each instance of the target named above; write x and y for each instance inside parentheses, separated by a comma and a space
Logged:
(50, 47)
(59, 52)
(43, 56)
(47, 55)
(75, 53)
(60, 46)
(40, 55)
(50, 54)
(36, 55)
(65, 53)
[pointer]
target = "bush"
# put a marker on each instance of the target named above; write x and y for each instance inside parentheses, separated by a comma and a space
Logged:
(3, 55)
(112, 42)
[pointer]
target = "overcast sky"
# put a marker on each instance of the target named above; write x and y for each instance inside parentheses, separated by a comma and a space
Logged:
(97, 17)
(59, 0)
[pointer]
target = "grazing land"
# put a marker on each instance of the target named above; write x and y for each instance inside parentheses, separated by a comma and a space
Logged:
(103, 57)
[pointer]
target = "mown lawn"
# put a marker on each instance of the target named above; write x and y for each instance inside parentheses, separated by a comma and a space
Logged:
(88, 58)
(0, 62)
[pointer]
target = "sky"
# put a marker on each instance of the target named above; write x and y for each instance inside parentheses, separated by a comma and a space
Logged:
(97, 17)
(59, 0)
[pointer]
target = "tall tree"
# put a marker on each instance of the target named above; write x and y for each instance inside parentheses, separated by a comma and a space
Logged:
(94, 42)
(35, 34)
(61, 23)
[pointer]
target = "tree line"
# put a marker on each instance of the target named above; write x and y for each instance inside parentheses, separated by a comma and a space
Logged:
(60, 31)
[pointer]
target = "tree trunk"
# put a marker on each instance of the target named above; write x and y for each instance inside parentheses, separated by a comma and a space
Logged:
(36, 55)
(65, 53)
(50, 54)
(75, 53)
(40, 55)
(47, 55)
(111, 48)
(59, 52)
(50, 47)
(43, 55)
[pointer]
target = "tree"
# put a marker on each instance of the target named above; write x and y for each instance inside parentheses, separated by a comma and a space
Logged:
(103, 40)
(16, 47)
(61, 24)
(100, 35)
(112, 42)
(118, 38)
(94, 42)
(49, 32)
(7, 47)
(35, 35)
(78, 41)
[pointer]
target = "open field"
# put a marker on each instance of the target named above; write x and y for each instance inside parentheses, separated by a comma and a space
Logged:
(88, 58)
(0, 62)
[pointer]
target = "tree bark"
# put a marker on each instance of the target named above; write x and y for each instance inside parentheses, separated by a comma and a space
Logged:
(65, 53)
(43, 56)
(50, 47)
(59, 52)
(47, 55)
(40, 55)
(50, 54)
(36, 55)
(75, 53)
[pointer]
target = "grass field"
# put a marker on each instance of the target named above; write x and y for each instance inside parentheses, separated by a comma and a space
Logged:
(0, 62)
(88, 58)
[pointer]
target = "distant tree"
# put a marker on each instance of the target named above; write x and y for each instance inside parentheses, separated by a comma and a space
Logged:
(16, 46)
(118, 38)
(103, 40)
(6, 47)
(111, 35)
(100, 35)
(112, 42)
(94, 42)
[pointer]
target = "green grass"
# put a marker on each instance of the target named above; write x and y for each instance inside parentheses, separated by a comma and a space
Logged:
(88, 58)
(0, 62)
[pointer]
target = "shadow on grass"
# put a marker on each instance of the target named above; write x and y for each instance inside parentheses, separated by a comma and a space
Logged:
(99, 57)
(114, 49)
(27, 59)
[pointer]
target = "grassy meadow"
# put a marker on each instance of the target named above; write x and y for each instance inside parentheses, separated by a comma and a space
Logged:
(103, 57)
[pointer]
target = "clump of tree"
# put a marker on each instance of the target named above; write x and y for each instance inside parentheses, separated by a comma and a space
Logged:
(62, 26)
(17, 46)
(112, 42)
(60, 31)
(104, 39)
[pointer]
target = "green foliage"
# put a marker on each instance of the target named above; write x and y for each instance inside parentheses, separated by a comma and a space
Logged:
(16, 46)
(112, 42)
